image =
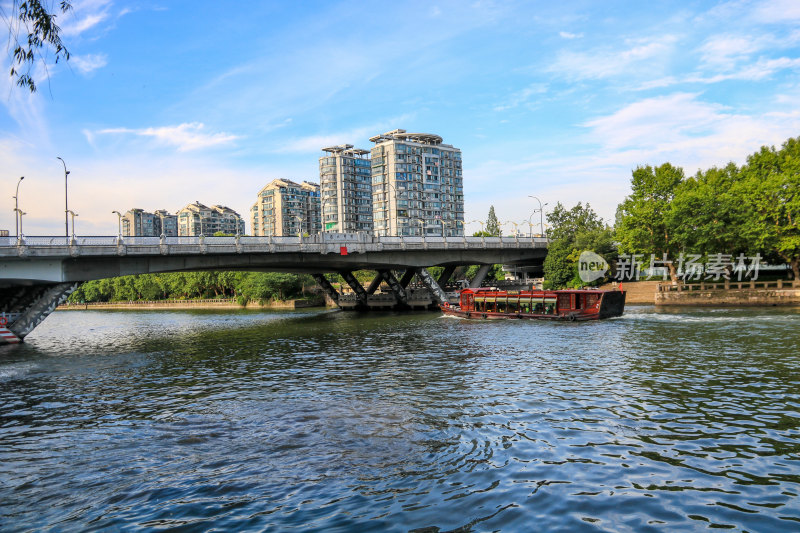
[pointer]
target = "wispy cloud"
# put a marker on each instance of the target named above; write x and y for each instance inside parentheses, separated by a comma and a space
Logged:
(568, 35)
(355, 136)
(89, 63)
(185, 137)
(522, 97)
(598, 64)
(683, 129)
(85, 16)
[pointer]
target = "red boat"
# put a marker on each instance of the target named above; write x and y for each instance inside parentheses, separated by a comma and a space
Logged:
(572, 305)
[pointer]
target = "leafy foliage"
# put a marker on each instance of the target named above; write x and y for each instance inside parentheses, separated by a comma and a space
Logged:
(243, 286)
(39, 31)
(572, 231)
(492, 224)
(729, 210)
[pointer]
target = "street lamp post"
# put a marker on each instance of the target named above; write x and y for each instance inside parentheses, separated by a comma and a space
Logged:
(71, 212)
(119, 226)
(163, 231)
(66, 202)
(20, 212)
(300, 228)
(389, 210)
(16, 205)
(481, 222)
(422, 226)
(541, 220)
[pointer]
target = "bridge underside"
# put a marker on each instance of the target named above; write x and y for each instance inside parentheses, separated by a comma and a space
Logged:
(32, 285)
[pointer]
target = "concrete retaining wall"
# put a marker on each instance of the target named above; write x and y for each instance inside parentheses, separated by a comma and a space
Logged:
(734, 294)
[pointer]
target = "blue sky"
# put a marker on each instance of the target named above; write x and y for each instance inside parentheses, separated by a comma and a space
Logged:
(168, 102)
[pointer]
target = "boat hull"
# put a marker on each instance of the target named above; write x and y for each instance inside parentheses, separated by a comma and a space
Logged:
(577, 305)
(477, 315)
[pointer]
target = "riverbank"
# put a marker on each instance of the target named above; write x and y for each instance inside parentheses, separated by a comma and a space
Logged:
(723, 294)
(214, 303)
(737, 294)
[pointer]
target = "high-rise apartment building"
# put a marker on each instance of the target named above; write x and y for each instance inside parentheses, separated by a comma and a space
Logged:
(417, 185)
(140, 223)
(285, 208)
(198, 219)
(346, 190)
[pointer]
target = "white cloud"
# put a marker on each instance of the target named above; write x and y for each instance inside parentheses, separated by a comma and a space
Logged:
(726, 50)
(568, 35)
(776, 11)
(84, 16)
(687, 131)
(88, 63)
(597, 64)
(185, 137)
(522, 97)
(355, 136)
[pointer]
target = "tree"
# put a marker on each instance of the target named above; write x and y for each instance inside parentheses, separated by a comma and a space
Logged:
(773, 185)
(644, 224)
(710, 213)
(492, 224)
(32, 31)
(572, 231)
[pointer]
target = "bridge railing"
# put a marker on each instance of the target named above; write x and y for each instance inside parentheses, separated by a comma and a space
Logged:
(320, 243)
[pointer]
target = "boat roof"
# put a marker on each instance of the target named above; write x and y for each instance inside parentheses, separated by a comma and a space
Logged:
(496, 290)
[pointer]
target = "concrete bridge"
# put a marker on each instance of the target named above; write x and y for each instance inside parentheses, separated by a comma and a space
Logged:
(39, 273)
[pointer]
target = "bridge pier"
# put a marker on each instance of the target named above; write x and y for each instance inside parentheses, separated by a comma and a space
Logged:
(397, 289)
(480, 276)
(24, 308)
(329, 289)
(376, 282)
(361, 294)
(425, 277)
(446, 275)
(408, 275)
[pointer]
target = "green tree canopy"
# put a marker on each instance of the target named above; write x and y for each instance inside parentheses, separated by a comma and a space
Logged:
(644, 222)
(773, 189)
(572, 231)
(492, 224)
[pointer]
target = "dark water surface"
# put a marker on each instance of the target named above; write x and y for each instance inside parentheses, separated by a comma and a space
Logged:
(657, 421)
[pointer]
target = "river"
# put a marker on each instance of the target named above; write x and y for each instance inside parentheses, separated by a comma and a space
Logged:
(676, 420)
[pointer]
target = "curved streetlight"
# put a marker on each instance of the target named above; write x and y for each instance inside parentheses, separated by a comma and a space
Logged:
(516, 227)
(541, 220)
(66, 202)
(481, 222)
(16, 205)
(422, 226)
(74, 214)
(119, 227)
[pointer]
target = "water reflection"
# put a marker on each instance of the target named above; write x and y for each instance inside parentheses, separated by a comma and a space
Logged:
(676, 420)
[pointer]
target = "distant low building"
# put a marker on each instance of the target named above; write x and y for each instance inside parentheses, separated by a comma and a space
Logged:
(140, 223)
(198, 219)
(285, 208)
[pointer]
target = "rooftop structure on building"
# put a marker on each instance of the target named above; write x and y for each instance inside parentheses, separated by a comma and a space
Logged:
(199, 219)
(417, 185)
(287, 208)
(346, 189)
(140, 223)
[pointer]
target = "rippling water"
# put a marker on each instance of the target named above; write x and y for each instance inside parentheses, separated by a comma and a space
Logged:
(656, 421)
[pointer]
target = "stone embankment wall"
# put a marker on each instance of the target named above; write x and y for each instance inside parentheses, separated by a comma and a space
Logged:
(636, 292)
(744, 294)
(193, 304)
